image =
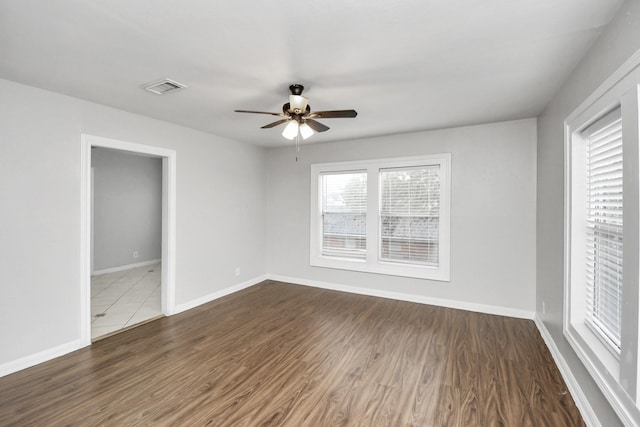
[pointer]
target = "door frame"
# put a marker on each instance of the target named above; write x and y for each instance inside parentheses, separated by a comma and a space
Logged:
(168, 223)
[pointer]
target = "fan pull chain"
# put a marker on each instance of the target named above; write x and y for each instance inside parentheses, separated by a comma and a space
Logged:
(297, 145)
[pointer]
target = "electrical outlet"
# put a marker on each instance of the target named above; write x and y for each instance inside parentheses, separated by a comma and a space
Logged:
(544, 308)
(135, 254)
(237, 271)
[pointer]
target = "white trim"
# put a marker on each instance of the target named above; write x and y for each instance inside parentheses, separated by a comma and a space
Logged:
(219, 294)
(168, 301)
(91, 209)
(615, 395)
(580, 399)
(125, 267)
(628, 66)
(168, 223)
(40, 357)
(420, 299)
(84, 313)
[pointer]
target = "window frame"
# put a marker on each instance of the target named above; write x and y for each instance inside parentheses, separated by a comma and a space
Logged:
(372, 262)
(617, 376)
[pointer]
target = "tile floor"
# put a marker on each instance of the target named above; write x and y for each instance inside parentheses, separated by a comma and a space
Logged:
(124, 298)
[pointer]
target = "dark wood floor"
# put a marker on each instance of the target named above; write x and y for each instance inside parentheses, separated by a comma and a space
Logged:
(285, 355)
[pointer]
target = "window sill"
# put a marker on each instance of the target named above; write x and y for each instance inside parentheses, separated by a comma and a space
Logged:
(590, 348)
(604, 368)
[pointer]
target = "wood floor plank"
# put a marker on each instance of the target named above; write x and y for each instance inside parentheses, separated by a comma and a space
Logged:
(279, 354)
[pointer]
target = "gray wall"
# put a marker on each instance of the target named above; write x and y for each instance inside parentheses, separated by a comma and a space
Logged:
(223, 210)
(620, 40)
(127, 208)
(220, 211)
(492, 212)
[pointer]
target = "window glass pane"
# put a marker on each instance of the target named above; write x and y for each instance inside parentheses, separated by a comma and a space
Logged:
(344, 214)
(604, 227)
(409, 215)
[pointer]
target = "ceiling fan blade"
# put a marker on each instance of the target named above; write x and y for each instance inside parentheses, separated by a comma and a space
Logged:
(333, 114)
(274, 124)
(260, 112)
(317, 126)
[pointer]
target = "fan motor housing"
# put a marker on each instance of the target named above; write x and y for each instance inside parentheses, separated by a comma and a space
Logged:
(286, 108)
(296, 89)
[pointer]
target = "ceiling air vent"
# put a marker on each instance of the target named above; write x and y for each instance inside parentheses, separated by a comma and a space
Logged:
(164, 86)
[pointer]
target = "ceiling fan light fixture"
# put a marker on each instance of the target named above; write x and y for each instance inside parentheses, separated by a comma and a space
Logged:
(299, 119)
(291, 130)
(298, 103)
(306, 131)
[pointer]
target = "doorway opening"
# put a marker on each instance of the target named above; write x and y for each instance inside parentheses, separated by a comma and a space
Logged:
(134, 284)
(126, 244)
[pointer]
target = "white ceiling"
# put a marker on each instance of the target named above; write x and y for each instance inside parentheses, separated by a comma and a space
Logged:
(404, 65)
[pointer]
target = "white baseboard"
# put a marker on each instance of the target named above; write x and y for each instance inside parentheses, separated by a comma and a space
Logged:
(125, 267)
(179, 308)
(40, 357)
(61, 350)
(43, 356)
(578, 395)
(421, 299)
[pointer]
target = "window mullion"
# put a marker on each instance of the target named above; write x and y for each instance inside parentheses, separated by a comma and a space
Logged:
(373, 222)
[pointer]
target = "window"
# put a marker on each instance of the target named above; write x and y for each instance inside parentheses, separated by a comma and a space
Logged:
(602, 238)
(409, 215)
(382, 216)
(604, 228)
(344, 214)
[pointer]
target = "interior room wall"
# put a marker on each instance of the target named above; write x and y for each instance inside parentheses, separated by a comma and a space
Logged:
(619, 41)
(492, 214)
(220, 192)
(127, 214)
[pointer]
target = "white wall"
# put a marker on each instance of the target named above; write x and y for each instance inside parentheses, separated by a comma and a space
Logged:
(619, 41)
(127, 213)
(220, 211)
(492, 213)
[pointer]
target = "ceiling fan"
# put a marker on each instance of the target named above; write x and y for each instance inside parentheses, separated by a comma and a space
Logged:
(299, 117)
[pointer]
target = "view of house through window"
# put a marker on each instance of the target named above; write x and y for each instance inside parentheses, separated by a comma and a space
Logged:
(344, 214)
(409, 215)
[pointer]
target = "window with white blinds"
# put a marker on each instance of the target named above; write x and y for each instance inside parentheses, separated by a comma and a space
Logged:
(601, 308)
(604, 227)
(385, 216)
(409, 214)
(344, 214)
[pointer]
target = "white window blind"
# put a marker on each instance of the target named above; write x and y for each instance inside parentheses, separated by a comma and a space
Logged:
(409, 215)
(344, 214)
(604, 227)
